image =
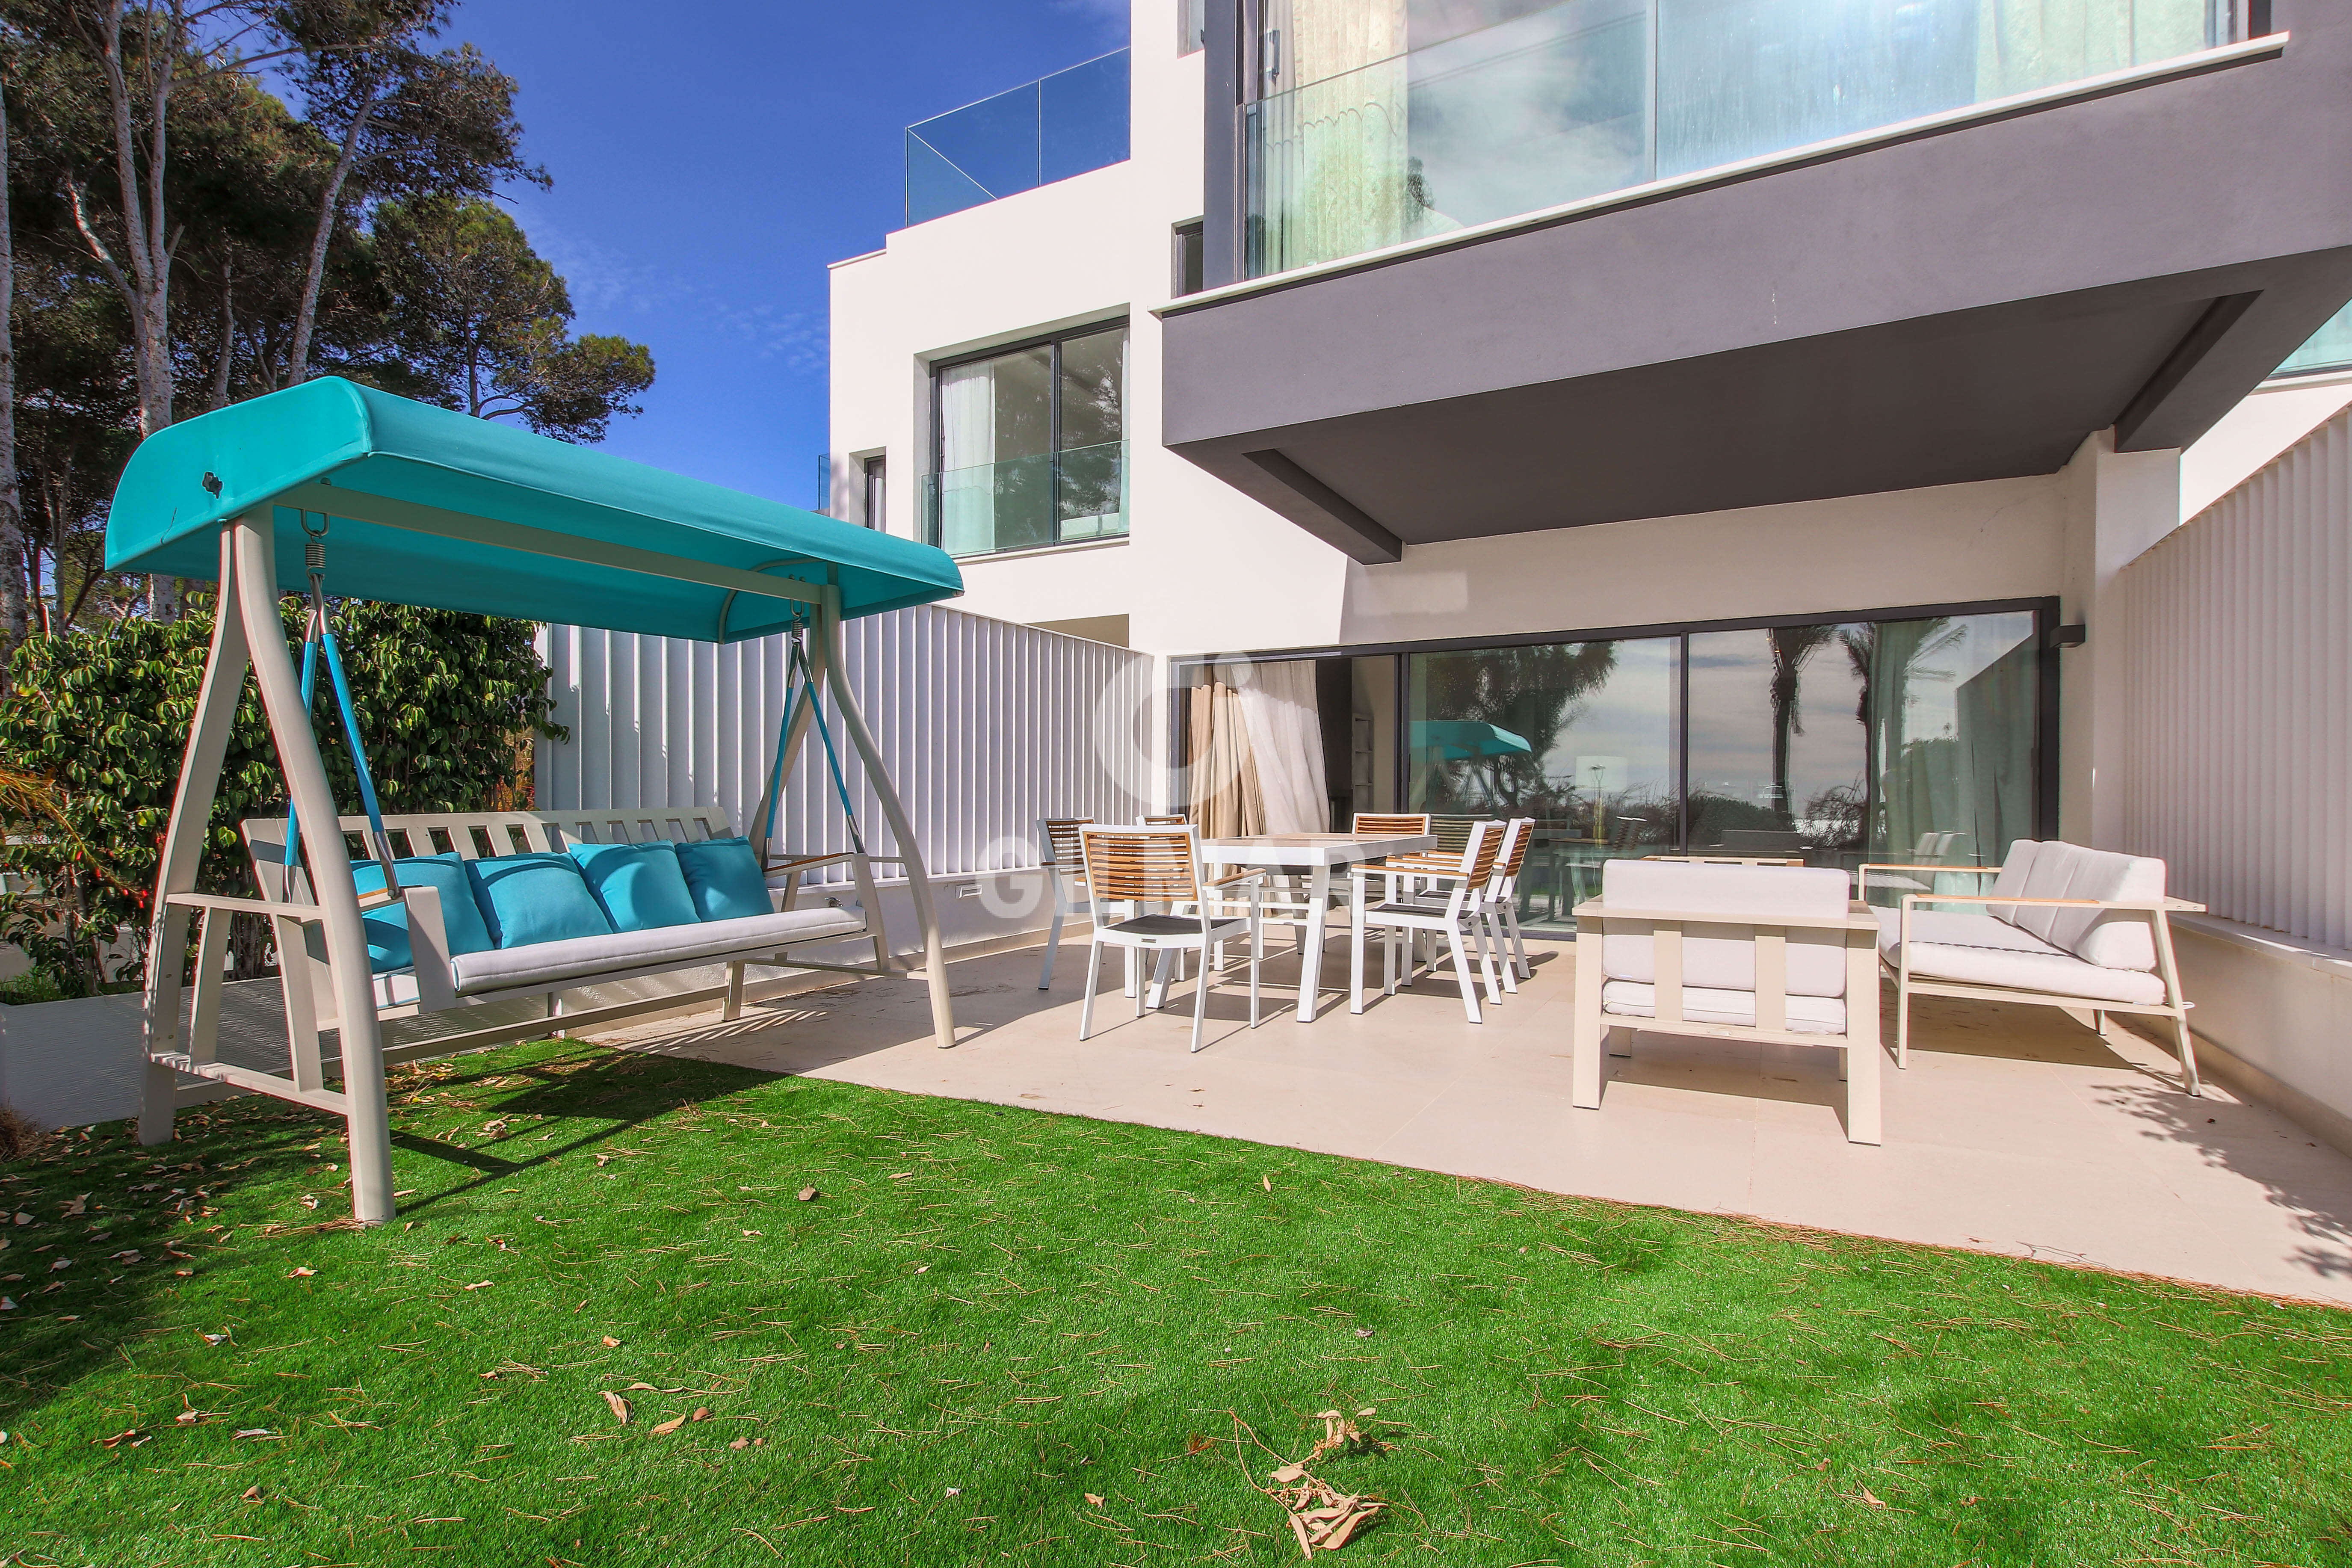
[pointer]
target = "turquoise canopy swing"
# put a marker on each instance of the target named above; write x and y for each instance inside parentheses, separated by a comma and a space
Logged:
(421, 506)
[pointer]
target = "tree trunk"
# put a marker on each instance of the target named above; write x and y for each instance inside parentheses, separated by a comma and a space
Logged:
(146, 289)
(221, 369)
(298, 358)
(13, 588)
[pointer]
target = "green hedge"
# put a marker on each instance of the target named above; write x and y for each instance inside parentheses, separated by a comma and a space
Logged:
(446, 702)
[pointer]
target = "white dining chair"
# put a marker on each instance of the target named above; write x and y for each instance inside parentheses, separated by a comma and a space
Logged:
(1137, 868)
(1452, 912)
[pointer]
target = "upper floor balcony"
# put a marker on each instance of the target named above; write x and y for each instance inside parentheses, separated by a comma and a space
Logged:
(1610, 259)
(1048, 130)
(1499, 108)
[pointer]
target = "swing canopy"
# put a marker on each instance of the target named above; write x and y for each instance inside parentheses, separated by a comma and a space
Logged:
(429, 506)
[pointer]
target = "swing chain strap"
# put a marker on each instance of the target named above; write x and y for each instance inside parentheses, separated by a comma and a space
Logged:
(801, 677)
(318, 632)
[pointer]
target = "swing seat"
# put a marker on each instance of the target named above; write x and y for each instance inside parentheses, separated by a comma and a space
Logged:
(580, 960)
(548, 968)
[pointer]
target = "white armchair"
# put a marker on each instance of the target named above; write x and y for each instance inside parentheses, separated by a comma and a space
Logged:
(1777, 954)
(2061, 926)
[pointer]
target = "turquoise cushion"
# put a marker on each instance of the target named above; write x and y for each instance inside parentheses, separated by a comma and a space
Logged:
(387, 928)
(535, 898)
(724, 877)
(639, 885)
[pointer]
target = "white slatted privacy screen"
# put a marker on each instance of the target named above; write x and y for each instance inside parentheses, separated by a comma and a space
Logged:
(988, 726)
(2239, 649)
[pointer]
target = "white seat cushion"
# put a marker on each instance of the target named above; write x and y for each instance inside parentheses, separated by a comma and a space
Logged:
(1807, 1015)
(1725, 958)
(1951, 927)
(2020, 969)
(679, 946)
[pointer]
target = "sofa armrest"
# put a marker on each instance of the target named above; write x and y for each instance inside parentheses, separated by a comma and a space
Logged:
(2142, 906)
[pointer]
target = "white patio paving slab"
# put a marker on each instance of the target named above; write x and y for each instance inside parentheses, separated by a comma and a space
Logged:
(2015, 1130)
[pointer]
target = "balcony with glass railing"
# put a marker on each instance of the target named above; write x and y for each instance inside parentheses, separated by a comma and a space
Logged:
(1048, 130)
(1545, 107)
(1027, 503)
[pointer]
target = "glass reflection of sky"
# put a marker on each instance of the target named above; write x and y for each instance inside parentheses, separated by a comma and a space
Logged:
(1630, 716)
(1968, 647)
(1731, 721)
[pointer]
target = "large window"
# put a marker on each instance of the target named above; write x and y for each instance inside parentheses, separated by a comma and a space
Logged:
(1031, 445)
(1903, 741)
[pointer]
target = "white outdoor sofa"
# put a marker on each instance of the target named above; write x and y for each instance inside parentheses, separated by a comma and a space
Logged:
(1776, 955)
(2062, 926)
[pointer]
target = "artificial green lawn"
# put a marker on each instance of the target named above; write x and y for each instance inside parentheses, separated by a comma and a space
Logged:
(989, 1314)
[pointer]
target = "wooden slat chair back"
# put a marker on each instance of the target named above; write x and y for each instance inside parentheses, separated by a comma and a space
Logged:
(1453, 832)
(1064, 861)
(1058, 836)
(1160, 864)
(1157, 864)
(1404, 824)
(1502, 902)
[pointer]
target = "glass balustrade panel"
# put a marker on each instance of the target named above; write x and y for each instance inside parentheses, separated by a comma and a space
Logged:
(1493, 110)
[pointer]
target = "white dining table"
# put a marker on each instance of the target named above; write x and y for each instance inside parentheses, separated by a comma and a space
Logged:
(1314, 856)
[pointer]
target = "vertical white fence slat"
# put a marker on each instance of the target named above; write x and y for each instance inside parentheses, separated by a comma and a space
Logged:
(2239, 640)
(987, 726)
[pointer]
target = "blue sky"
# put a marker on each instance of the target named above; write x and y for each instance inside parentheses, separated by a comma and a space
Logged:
(708, 166)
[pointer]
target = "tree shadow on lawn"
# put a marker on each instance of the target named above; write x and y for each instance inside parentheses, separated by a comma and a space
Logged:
(144, 1228)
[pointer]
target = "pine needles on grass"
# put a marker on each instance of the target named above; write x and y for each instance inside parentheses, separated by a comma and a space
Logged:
(610, 1328)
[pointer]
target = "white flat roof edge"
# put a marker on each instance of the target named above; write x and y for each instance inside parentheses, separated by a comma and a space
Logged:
(2267, 47)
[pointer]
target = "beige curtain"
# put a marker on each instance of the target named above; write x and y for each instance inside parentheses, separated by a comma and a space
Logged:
(1223, 794)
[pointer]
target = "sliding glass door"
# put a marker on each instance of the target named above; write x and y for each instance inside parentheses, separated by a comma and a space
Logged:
(1833, 742)
(1780, 741)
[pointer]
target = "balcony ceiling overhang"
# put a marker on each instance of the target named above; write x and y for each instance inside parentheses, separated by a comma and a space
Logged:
(1964, 306)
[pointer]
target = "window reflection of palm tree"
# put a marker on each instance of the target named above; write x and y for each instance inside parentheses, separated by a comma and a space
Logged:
(1792, 647)
(1533, 692)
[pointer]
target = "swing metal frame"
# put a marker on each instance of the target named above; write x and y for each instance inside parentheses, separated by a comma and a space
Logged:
(247, 634)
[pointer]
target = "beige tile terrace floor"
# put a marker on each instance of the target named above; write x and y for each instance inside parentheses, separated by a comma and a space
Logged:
(2016, 1129)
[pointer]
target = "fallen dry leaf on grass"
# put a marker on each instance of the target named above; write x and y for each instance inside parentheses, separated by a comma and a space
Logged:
(302, 1274)
(611, 1343)
(1322, 1518)
(668, 1426)
(1872, 1498)
(133, 1437)
(1094, 1498)
(808, 1194)
(620, 1407)
(253, 1494)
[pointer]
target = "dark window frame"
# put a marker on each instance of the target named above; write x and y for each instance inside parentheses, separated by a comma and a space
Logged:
(1188, 264)
(875, 469)
(1054, 387)
(1184, 670)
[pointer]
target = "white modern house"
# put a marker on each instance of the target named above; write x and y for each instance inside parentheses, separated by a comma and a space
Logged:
(1699, 427)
